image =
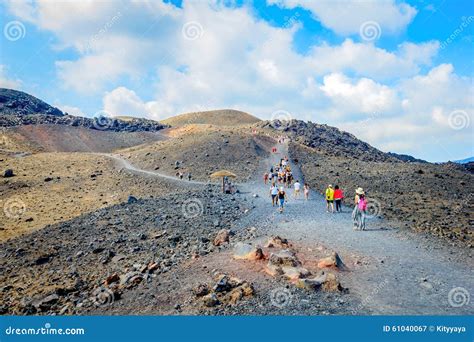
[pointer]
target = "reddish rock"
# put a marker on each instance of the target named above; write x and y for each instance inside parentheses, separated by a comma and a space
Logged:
(153, 266)
(222, 237)
(113, 278)
(333, 261)
(244, 251)
(277, 241)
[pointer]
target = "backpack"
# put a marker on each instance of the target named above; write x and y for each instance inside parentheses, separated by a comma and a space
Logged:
(362, 204)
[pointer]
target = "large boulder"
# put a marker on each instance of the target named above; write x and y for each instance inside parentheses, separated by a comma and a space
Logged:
(8, 173)
(245, 251)
(277, 241)
(332, 261)
(284, 258)
(323, 281)
(222, 237)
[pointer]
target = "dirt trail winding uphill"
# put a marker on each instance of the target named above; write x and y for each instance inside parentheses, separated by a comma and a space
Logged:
(122, 163)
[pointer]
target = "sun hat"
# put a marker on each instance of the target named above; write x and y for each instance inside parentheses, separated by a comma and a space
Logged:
(330, 186)
(360, 191)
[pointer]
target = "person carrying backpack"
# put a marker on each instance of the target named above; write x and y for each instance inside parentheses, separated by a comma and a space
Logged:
(329, 198)
(281, 198)
(360, 206)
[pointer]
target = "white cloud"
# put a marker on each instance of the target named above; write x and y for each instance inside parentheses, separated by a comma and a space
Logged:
(71, 110)
(6, 81)
(345, 17)
(361, 96)
(125, 102)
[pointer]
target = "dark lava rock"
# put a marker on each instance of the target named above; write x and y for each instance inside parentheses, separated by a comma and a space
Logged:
(132, 199)
(8, 173)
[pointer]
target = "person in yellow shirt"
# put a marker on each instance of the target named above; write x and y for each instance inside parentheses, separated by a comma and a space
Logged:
(330, 198)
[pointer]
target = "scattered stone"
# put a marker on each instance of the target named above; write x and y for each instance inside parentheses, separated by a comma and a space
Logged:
(246, 251)
(113, 278)
(48, 179)
(295, 273)
(132, 199)
(153, 266)
(8, 173)
(277, 241)
(333, 261)
(43, 259)
(284, 258)
(210, 300)
(326, 281)
(222, 237)
(46, 302)
(118, 258)
(201, 290)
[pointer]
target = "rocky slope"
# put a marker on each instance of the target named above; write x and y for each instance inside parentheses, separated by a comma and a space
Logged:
(18, 108)
(137, 241)
(18, 103)
(328, 140)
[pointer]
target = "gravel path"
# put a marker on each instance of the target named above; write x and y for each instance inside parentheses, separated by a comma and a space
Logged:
(127, 165)
(391, 271)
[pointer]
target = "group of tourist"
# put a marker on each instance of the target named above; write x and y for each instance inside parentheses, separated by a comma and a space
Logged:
(281, 177)
(334, 195)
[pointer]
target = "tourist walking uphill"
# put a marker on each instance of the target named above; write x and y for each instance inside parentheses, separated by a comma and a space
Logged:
(338, 196)
(330, 198)
(360, 206)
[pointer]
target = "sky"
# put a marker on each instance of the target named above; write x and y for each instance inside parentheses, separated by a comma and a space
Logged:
(397, 74)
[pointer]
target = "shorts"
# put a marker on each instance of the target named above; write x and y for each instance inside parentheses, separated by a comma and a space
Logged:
(330, 201)
(273, 197)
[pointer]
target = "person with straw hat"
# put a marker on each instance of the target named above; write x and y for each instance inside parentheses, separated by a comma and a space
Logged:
(358, 214)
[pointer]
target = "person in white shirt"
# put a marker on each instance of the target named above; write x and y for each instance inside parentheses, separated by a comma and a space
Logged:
(297, 186)
(273, 194)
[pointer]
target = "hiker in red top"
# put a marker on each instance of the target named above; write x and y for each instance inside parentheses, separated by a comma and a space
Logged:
(265, 177)
(338, 196)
